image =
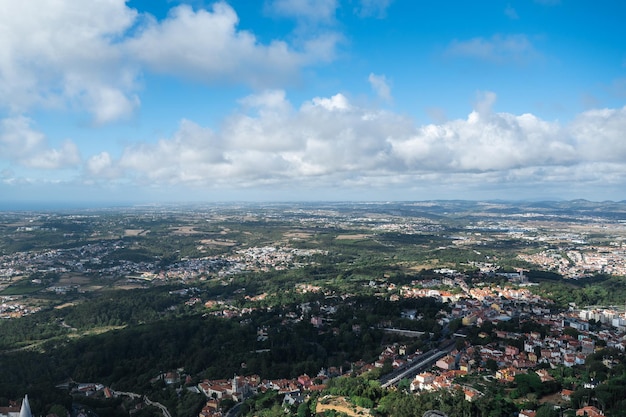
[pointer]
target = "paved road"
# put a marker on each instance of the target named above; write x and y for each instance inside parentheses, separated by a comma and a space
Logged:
(425, 361)
(233, 412)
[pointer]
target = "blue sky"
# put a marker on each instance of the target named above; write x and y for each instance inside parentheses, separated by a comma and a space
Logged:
(112, 101)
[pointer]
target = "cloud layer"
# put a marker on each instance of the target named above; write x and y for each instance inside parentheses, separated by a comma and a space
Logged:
(333, 143)
(27, 147)
(91, 55)
(329, 141)
(90, 63)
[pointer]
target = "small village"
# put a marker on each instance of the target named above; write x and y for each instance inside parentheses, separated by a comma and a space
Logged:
(502, 356)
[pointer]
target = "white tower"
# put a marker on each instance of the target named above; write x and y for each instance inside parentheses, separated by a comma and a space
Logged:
(25, 410)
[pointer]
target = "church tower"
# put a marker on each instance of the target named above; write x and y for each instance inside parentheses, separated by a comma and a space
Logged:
(25, 410)
(235, 385)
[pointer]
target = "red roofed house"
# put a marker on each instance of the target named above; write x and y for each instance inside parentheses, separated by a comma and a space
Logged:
(305, 381)
(589, 411)
(566, 394)
(446, 363)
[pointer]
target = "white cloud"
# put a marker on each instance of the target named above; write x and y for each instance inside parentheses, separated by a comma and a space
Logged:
(109, 104)
(90, 56)
(62, 53)
(192, 155)
(17, 139)
(67, 156)
(263, 129)
(207, 46)
(22, 145)
(380, 86)
(336, 102)
(278, 143)
(102, 166)
(331, 142)
(204, 45)
(485, 142)
(273, 100)
(599, 135)
(499, 48)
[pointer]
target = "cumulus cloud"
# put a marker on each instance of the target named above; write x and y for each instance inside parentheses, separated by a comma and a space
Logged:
(24, 146)
(66, 156)
(499, 48)
(268, 141)
(207, 46)
(109, 104)
(78, 55)
(380, 86)
(329, 140)
(486, 142)
(269, 99)
(336, 143)
(599, 134)
(102, 166)
(61, 53)
(336, 102)
(192, 155)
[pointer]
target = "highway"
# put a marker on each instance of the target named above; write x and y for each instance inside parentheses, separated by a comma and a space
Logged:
(417, 366)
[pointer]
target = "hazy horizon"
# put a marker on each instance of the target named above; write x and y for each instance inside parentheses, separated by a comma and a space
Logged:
(46, 206)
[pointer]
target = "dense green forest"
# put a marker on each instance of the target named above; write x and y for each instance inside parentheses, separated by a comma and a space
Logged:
(147, 336)
(597, 290)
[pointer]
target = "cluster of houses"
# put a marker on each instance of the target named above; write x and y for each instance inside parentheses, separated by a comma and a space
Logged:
(238, 388)
(11, 308)
(554, 347)
(588, 411)
(581, 262)
(88, 259)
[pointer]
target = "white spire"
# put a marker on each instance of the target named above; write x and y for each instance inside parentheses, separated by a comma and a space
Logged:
(25, 410)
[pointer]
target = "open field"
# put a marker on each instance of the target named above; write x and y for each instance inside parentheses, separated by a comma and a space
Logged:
(360, 236)
(213, 242)
(185, 230)
(135, 232)
(298, 235)
(341, 405)
(64, 305)
(74, 279)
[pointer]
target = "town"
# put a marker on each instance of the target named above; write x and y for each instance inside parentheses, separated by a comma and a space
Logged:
(474, 301)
